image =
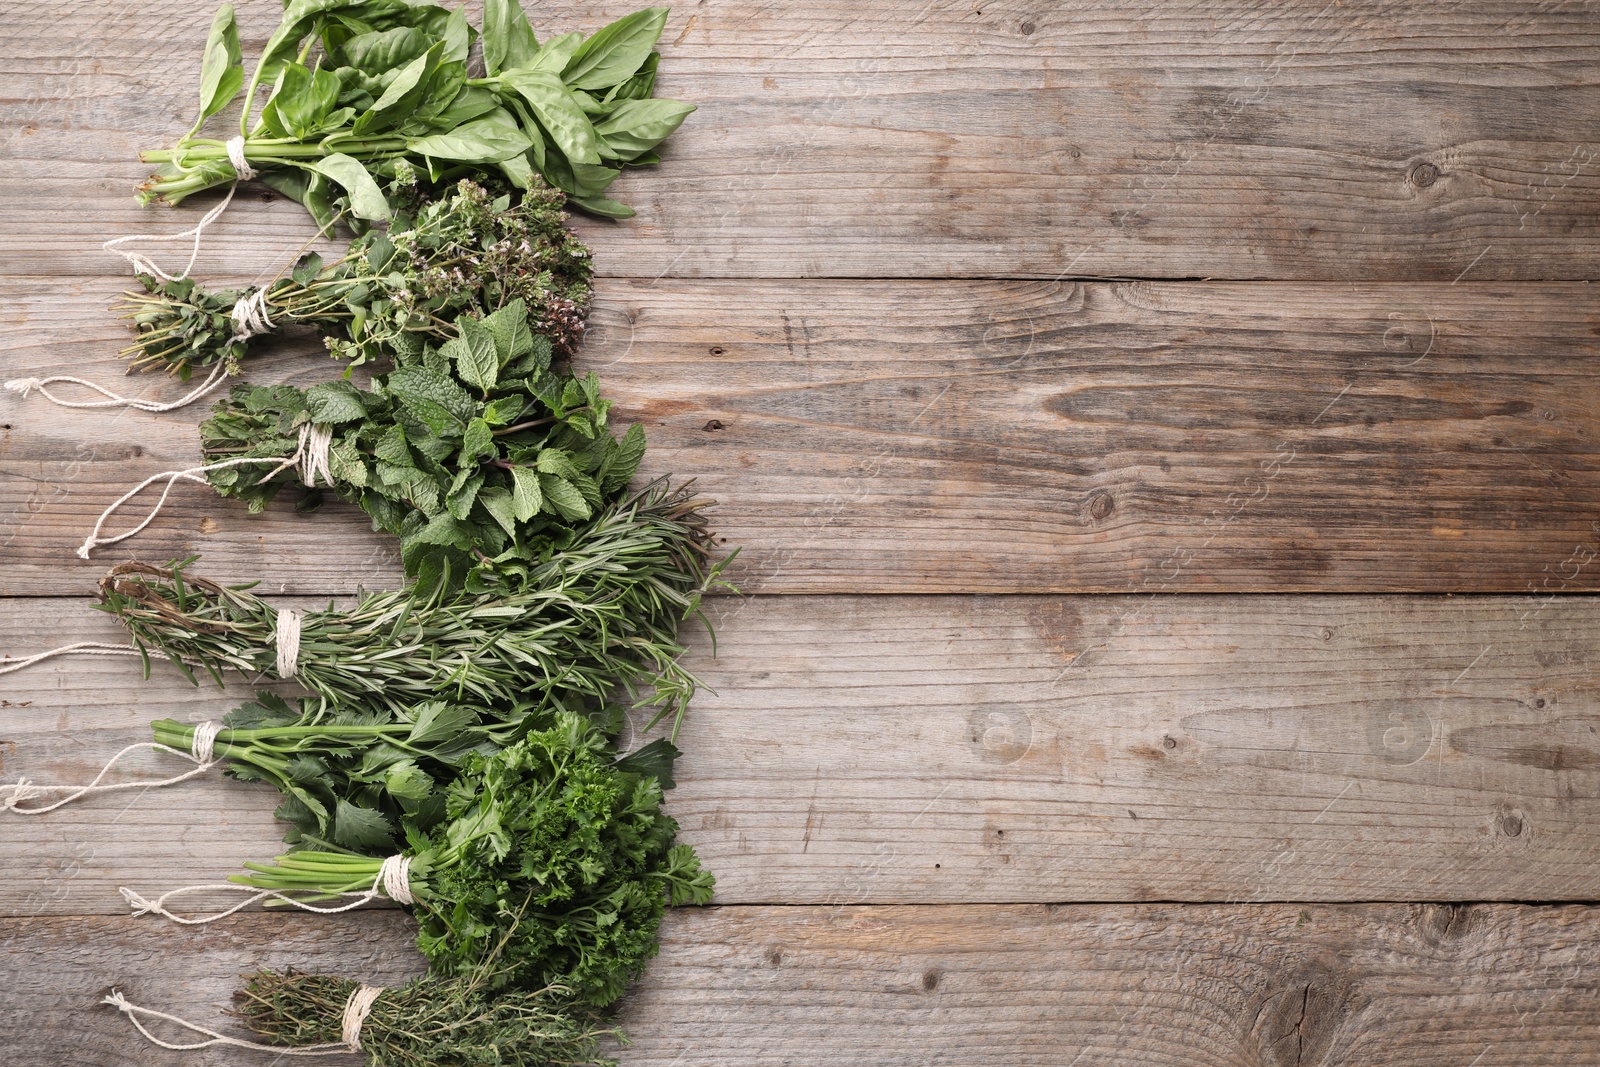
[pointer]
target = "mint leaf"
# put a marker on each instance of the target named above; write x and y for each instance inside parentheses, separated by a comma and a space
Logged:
(527, 496)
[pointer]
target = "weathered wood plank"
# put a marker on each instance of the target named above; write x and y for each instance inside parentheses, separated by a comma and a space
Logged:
(1494, 985)
(968, 437)
(981, 750)
(1363, 140)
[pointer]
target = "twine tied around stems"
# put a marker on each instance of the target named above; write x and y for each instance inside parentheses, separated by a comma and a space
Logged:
(356, 1010)
(200, 752)
(286, 637)
(143, 264)
(393, 881)
(310, 455)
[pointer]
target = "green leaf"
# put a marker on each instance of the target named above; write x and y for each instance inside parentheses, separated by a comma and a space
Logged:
(302, 101)
(654, 760)
(310, 264)
(383, 50)
(556, 461)
(498, 503)
(477, 442)
(470, 103)
(360, 829)
(439, 403)
(599, 205)
(486, 140)
(474, 354)
(408, 781)
(563, 497)
(222, 69)
(558, 113)
(641, 85)
(616, 51)
(333, 403)
(509, 327)
(438, 721)
(555, 54)
(636, 126)
(457, 36)
(508, 40)
(527, 496)
(504, 410)
(366, 200)
(400, 98)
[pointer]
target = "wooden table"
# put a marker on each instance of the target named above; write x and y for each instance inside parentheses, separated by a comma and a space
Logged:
(1114, 403)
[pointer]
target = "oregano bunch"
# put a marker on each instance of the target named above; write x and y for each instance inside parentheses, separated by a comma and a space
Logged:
(462, 252)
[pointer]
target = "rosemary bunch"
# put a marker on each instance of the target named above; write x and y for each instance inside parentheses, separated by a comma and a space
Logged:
(462, 252)
(553, 860)
(431, 1022)
(566, 633)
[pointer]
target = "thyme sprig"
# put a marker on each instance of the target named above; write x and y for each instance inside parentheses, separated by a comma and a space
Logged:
(431, 1022)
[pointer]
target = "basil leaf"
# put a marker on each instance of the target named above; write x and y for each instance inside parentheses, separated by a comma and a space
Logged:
(222, 69)
(366, 200)
(636, 126)
(380, 51)
(303, 100)
(400, 97)
(558, 113)
(599, 205)
(553, 57)
(641, 85)
(616, 51)
(457, 36)
(508, 40)
(486, 140)
(469, 103)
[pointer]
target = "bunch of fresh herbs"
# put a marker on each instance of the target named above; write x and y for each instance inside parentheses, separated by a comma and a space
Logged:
(572, 632)
(358, 86)
(463, 252)
(431, 1022)
(475, 451)
(351, 776)
(551, 857)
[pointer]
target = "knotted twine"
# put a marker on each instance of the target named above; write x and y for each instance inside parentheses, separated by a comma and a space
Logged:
(356, 1010)
(311, 455)
(249, 315)
(393, 881)
(200, 752)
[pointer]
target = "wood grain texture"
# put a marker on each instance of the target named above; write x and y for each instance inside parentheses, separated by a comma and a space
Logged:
(1493, 985)
(965, 437)
(1364, 140)
(985, 750)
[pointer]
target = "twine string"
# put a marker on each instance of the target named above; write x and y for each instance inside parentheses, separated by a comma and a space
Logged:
(25, 386)
(356, 1010)
(311, 455)
(392, 881)
(200, 753)
(286, 637)
(143, 264)
(79, 648)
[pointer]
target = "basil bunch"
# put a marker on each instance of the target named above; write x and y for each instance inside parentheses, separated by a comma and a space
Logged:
(392, 85)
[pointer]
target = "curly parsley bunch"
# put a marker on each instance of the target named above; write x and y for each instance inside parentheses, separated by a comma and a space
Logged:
(553, 860)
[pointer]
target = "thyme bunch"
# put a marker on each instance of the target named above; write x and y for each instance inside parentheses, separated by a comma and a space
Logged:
(461, 253)
(431, 1022)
